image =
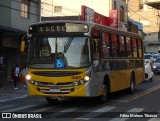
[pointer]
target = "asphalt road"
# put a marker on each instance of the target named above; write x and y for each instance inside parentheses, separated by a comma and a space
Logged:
(142, 105)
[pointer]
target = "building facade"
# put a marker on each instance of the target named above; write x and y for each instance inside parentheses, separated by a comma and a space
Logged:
(16, 16)
(141, 11)
(54, 8)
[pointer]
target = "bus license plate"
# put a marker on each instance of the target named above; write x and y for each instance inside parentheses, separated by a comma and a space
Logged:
(55, 90)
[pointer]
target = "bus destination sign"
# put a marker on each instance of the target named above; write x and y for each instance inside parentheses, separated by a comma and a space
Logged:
(58, 28)
(52, 28)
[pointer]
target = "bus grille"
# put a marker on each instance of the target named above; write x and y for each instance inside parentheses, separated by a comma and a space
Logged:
(55, 73)
(62, 84)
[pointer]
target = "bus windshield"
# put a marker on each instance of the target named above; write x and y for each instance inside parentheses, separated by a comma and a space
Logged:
(59, 52)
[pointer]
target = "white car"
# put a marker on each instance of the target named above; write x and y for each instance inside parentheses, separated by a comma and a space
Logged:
(148, 72)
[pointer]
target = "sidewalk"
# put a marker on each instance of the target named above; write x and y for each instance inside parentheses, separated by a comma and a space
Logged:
(8, 93)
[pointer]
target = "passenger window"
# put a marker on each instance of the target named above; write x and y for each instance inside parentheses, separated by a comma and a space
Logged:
(134, 42)
(114, 45)
(122, 46)
(96, 44)
(140, 48)
(105, 45)
(129, 49)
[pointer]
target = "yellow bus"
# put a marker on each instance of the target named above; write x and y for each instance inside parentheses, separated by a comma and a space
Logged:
(82, 59)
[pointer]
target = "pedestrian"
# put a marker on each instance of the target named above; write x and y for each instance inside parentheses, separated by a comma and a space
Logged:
(12, 73)
(22, 75)
(16, 76)
(151, 63)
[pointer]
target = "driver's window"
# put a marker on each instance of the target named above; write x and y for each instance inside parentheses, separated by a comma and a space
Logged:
(45, 48)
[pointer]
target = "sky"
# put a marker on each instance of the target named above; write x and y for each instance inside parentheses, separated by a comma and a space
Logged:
(73, 7)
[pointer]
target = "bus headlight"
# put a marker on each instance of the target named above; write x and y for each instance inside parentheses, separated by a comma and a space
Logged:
(87, 77)
(34, 82)
(154, 67)
(81, 81)
(28, 77)
(75, 83)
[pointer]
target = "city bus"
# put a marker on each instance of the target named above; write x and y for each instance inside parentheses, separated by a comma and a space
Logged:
(82, 59)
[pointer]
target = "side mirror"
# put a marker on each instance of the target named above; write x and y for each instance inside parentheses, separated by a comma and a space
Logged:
(22, 47)
(95, 63)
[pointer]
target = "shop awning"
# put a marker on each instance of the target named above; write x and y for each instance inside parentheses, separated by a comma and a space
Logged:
(9, 29)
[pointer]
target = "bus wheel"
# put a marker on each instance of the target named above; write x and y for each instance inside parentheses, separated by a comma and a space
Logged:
(51, 100)
(132, 84)
(103, 97)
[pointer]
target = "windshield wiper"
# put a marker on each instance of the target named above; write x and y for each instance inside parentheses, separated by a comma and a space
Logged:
(67, 44)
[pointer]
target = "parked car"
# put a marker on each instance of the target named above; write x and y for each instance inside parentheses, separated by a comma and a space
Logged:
(155, 56)
(148, 72)
(156, 66)
(147, 58)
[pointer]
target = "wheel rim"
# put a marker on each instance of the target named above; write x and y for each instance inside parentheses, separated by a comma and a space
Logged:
(132, 86)
(104, 92)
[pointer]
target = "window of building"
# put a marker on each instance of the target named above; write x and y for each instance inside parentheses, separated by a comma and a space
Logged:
(57, 8)
(140, 6)
(145, 22)
(141, 3)
(25, 8)
(122, 14)
(115, 5)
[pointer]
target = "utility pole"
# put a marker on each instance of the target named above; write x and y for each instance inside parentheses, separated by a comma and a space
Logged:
(52, 7)
(159, 28)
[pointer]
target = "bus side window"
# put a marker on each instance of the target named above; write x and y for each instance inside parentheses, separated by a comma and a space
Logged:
(129, 50)
(140, 48)
(134, 43)
(105, 45)
(114, 45)
(122, 46)
(96, 44)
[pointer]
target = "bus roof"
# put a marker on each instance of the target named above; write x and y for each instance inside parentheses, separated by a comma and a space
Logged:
(92, 25)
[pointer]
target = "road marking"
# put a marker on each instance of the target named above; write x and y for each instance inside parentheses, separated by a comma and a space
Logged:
(98, 112)
(133, 111)
(14, 98)
(143, 93)
(19, 108)
(69, 110)
(6, 106)
(135, 96)
(59, 113)
(41, 109)
(155, 119)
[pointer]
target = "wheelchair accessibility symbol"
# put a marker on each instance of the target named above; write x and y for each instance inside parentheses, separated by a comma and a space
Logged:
(59, 63)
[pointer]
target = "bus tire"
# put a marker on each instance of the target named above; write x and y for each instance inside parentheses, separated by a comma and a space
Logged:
(105, 92)
(132, 84)
(51, 100)
(151, 79)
